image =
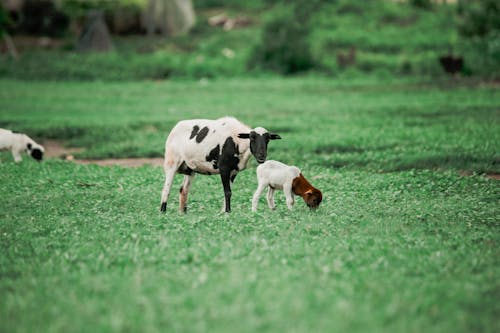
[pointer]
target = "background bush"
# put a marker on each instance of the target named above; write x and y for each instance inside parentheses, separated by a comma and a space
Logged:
(479, 27)
(284, 47)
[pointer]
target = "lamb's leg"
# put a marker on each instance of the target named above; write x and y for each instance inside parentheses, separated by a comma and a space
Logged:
(170, 170)
(270, 198)
(16, 154)
(256, 195)
(183, 193)
(287, 190)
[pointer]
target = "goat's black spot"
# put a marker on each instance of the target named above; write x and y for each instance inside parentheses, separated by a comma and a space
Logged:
(228, 158)
(213, 156)
(28, 146)
(37, 154)
(196, 128)
(185, 170)
(202, 134)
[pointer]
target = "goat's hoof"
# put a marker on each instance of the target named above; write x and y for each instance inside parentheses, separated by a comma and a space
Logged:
(163, 207)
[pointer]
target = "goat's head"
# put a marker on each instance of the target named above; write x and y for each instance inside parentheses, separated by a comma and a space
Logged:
(259, 138)
(313, 198)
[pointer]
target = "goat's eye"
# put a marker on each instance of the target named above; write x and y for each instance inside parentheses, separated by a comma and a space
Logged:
(252, 135)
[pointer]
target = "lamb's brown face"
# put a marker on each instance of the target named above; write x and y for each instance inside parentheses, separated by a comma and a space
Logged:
(313, 198)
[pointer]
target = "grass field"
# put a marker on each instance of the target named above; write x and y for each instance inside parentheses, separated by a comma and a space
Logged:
(403, 241)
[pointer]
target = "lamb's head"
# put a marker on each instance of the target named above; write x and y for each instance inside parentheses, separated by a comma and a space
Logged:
(313, 198)
(34, 149)
(259, 138)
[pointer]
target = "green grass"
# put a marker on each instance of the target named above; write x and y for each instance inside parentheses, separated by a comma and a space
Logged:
(401, 243)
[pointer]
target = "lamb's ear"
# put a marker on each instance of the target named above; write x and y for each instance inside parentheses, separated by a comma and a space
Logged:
(28, 146)
(274, 136)
(244, 135)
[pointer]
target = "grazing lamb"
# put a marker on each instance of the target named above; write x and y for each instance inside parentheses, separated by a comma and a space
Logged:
(17, 143)
(279, 176)
(208, 147)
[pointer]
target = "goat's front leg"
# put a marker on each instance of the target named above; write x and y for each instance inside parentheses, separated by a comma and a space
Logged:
(287, 190)
(16, 154)
(256, 195)
(225, 176)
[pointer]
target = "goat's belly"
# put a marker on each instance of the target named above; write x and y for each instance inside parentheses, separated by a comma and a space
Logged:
(276, 186)
(205, 168)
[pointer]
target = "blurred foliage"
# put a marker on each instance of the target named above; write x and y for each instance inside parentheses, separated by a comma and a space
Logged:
(3, 20)
(479, 25)
(284, 47)
(478, 18)
(384, 38)
(422, 3)
(80, 7)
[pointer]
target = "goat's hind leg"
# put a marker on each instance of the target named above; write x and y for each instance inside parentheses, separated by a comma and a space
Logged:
(170, 170)
(270, 198)
(183, 193)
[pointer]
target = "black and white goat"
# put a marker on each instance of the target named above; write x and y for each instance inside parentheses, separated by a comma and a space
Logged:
(222, 146)
(17, 143)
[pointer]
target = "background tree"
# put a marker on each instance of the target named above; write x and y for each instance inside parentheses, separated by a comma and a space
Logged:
(11, 48)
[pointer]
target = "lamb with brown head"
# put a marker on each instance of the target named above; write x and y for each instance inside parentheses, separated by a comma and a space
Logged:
(278, 176)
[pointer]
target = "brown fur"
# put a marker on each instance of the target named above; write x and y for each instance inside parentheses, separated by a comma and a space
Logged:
(311, 195)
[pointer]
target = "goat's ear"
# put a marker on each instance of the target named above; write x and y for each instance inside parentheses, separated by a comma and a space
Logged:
(273, 136)
(244, 135)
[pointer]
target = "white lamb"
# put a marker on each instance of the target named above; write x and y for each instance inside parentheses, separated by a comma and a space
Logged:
(17, 143)
(279, 176)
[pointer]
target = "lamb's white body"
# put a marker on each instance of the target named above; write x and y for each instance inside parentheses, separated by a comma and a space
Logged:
(17, 143)
(276, 176)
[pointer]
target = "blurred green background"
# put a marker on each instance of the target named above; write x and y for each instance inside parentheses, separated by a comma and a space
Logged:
(336, 38)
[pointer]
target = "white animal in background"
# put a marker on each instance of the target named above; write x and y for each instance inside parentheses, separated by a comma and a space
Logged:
(279, 176)
(19, 142)
(222, 146)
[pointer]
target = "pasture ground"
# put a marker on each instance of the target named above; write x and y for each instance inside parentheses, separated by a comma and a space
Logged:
(403, 241)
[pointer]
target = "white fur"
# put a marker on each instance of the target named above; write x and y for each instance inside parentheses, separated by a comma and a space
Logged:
(17, 143)
(276, 176)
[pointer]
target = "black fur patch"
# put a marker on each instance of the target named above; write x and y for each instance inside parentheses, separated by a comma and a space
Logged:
(28, 146)
(37, 154)
(185, 170)
(202, 134)
(228, 158)
(213, 156)
(180, 190)
(163, 207)
(196, 128)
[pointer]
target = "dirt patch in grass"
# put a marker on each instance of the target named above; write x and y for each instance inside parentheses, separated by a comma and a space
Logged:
(55, 149)
(125, 162)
